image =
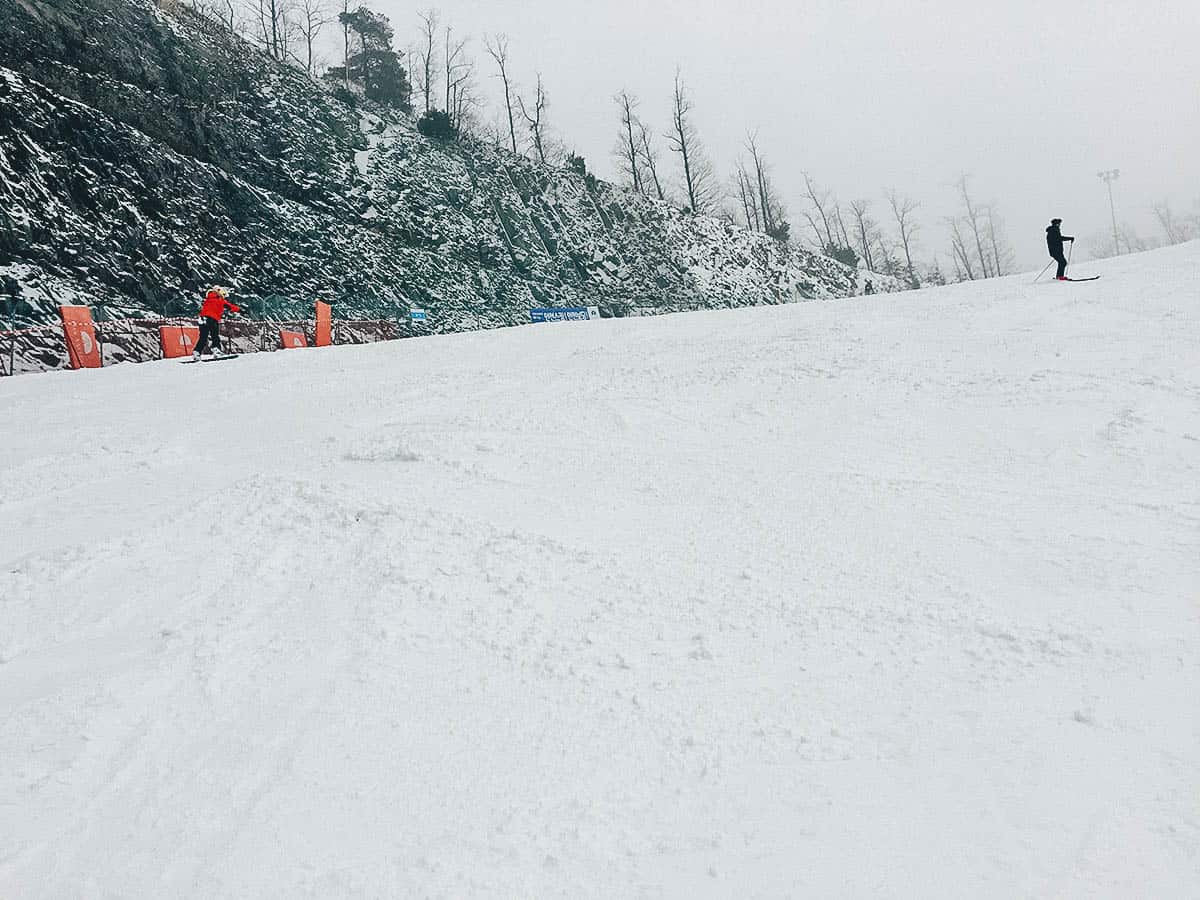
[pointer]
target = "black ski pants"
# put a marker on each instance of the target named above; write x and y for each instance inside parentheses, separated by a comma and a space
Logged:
(1062, 263)
(210, 332)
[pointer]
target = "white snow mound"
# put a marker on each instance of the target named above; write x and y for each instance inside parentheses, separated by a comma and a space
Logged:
(894, 597)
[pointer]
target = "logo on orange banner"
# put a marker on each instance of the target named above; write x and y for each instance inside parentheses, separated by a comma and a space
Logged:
(83, 350)
(324, 336)
(178, 340)
(290, 339)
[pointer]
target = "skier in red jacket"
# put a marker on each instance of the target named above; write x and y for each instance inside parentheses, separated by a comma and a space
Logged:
(215, 304)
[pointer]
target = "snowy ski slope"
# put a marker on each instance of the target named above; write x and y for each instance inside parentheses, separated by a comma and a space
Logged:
(890, 597)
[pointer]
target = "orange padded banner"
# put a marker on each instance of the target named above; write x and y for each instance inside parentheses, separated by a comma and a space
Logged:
(290, 339)
(82, 348)
(324, 336)
(178, 340)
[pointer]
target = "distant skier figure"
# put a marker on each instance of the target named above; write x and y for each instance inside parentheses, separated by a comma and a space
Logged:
(1054, 243)
(215, 304)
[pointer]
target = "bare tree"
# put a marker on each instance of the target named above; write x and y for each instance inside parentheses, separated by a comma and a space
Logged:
(458, 71)
(224, 11)
(865, 231)
(884, 254)
(290, 33)
(278, 25)
(821, 201)
(685, 140)
(974, 221)
(840, 226)
(313, 16)
(344, 19)
(978, 246)
(464, 102)
(626, 150)
(272, 27)
(771, 212)
(649, 158)
(534, 121)
(1134, 242)
(1175, 230)
(748, 196)
(959, 252)
(425, 56)
(497, 48)
(902, 211)
(495, 131)
(766, 202)
(1001, 252)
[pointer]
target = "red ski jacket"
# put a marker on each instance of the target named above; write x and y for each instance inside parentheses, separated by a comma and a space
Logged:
(215, 305)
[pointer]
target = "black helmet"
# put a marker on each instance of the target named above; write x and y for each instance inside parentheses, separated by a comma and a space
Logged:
(1056, 221)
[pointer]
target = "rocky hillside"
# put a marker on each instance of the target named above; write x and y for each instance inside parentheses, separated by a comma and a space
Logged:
(144, 154)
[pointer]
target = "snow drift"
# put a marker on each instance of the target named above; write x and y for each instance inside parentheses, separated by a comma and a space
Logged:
(893, 597)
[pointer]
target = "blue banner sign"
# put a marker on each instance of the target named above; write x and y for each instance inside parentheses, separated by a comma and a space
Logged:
(417, 315)
(560, 314)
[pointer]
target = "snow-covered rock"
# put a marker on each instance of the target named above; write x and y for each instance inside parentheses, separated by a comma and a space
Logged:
(144, 156)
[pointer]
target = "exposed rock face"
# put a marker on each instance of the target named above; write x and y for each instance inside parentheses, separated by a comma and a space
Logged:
(144, 155)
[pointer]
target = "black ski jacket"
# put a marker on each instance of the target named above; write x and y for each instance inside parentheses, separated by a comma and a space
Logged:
(1054, 240)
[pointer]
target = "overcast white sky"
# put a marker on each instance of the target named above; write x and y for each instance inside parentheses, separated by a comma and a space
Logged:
(1030, 98)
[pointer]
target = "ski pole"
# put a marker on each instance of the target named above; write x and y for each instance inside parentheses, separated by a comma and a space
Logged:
(1043, 272)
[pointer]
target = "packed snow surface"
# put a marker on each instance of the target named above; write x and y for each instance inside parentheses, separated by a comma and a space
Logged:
(893, 597)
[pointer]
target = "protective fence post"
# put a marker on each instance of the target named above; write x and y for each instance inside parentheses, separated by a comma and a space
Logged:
(263, 344)
(12, 332)
(98, 323)
(291, 339)
(83, 351)
(324, 336)
(13, 289)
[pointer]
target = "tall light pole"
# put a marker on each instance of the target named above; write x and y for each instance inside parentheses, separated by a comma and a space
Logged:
(1108, 176)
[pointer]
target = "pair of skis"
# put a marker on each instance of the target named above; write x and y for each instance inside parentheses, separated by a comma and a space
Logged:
(1043, 272)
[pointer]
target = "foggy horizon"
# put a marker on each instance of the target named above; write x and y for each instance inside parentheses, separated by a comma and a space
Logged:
(1030, 102)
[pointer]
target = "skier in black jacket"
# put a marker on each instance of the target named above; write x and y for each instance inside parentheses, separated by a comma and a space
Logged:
(1054, 243)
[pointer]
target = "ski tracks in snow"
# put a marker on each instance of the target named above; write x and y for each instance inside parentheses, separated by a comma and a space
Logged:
(686, 606)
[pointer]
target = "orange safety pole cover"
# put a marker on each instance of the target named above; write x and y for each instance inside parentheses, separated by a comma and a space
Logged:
(83, 350)
(290, 339)
(178, 340)
(324, 336)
